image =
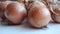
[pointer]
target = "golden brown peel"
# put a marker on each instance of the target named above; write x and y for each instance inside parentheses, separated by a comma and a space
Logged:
(15, 12)
(38, 15)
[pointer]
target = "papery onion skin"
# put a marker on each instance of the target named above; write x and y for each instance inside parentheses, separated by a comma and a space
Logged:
(15, 12)
(38, 15)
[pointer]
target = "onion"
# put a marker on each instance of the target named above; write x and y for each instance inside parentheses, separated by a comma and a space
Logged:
(55, 12)
(15, 12)
(38, 15)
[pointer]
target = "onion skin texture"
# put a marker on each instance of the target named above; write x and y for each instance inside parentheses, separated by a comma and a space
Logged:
(38, 15)
(15, 12)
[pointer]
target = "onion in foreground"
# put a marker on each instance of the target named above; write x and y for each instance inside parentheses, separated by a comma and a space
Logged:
(38, 15)
(15, 12)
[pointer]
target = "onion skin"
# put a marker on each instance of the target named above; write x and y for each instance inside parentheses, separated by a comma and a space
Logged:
(38, 15)
(15, 12)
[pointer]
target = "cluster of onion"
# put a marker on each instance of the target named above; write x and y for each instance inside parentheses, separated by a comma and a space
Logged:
(38, 13)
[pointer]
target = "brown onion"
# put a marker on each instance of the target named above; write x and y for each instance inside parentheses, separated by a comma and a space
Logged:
(38, 15)
(15, 12)
(55, 12)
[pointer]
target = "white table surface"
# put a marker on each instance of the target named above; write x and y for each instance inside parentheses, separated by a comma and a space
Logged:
(25, 29)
